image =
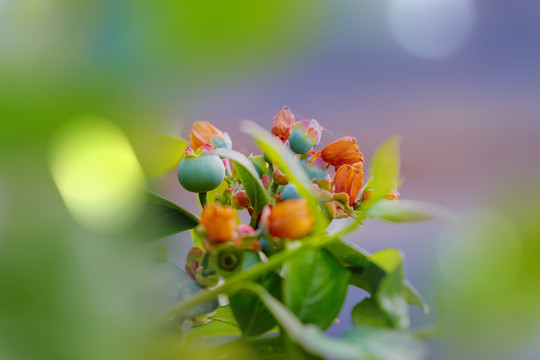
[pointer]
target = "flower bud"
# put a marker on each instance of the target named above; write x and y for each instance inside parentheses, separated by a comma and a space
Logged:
(290, 219)
(240, 200)
(202, 133)
(315, 166)
(201, 173)
(279, 178)
(304, 136)
(348, 180)
(282, 124)
(219, 222)
(368, 192)
(221, 141)
(342, 151)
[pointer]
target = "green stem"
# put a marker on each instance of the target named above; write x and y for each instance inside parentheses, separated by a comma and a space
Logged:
(202, 198)
(235, 281)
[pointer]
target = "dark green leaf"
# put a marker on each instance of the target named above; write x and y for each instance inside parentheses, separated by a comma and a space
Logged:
(164, 218)
(359, 343)
(368, 313)
(385, 168)
(315, 287)
(250, 313)
(366, 274)
(169, 285)
(249, 177)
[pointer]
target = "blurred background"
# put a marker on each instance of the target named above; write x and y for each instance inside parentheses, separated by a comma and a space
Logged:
(459, 80)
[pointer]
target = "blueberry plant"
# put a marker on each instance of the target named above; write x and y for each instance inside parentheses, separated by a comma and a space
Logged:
(282, 278)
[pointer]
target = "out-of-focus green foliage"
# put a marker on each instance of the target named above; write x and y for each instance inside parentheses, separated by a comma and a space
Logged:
(488, 288)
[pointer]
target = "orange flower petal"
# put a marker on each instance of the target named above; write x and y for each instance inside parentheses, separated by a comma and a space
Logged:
(219, 222)
(342, 151)
(201, 133)
(291, 219)
(348, 179)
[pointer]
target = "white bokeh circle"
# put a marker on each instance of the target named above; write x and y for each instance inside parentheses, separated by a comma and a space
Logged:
(430, 29)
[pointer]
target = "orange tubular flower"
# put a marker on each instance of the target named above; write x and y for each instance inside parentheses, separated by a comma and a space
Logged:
(348, 179)
(342, 151)
(283, 123)
(202, 133)
(219, 222)
(290, 219)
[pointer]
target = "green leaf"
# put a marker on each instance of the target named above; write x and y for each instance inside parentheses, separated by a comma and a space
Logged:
(259, 163)
(366, 274)
(212, 329)
(390, 294)
(368, 313)
(385, 167)
(158, 153)
(359, 343)
(249, 177)
(221, 323)
(197, 240)
(250, 313)
(403, 210)
(224, 314)
(385, 343)
(315, 287)
(211, 195)
(414, 297)
(289, 164)
(169, 285)
(159, 252)
(164, 218)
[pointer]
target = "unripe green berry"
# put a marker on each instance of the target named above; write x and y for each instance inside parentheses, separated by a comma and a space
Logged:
(201, 173)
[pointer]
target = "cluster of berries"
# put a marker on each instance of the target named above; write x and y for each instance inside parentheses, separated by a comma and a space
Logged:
(288, 217)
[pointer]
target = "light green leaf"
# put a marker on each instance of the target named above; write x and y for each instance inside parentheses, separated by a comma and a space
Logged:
(197, 240)
(385, 168)
(249, 177)
(224, 314)
(408, 210)
(212, 329)
(158, 153)
(289, 164)
(211, 195)
(390, 294)
(159, 252)
(414, 297)
(315, 287)
(164, 218)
